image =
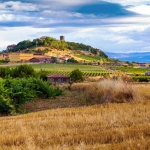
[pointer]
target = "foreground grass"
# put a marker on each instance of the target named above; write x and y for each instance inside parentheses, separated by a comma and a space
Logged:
(111, 126)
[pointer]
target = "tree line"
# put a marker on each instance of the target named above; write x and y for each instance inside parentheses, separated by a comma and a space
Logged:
(53, 43)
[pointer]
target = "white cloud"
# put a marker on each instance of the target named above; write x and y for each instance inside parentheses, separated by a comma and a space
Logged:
(147, 48)
(129, 2)
(119, 39)
(6, 17)
(17, 34)
(130, 28)
(142, 9)
(137, 20)
(61, 14)
(18, 6)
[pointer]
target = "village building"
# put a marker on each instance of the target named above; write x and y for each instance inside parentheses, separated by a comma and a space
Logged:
(141, 65)
(147, 73)
(43, 37)
(58, 78)
(41, 60)
(19, 57)
(3, 56)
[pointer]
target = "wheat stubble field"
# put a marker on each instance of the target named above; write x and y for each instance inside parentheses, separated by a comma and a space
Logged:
(117, 126)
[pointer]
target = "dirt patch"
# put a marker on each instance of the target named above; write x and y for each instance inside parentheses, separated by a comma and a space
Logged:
(70, 99)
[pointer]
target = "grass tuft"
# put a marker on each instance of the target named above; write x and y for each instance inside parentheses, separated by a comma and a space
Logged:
(107, 91)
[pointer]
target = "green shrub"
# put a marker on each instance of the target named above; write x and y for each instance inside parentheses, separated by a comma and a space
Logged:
(5, 106)
(76, 76)
(5, 71)
(43, 75)
(43, 89)
(23, 71)
(5, 101)
(19, 91)
(15, 92)
(57, 91)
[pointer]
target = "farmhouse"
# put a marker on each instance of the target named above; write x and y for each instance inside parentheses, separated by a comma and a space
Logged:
(41, 60)
(3, 56)
(147, 73)
(58, 78)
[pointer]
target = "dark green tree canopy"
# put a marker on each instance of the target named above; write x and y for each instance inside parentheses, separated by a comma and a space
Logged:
(76, 76)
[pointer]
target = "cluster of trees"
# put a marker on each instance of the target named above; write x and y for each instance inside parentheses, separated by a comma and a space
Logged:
(80, 46)
(14, 92)
(29, 46)
(21, 84)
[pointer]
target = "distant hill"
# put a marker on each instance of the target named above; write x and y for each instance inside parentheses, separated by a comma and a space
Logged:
(52, 43)
(142, 57)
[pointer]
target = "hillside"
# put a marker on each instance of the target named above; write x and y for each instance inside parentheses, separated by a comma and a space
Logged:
(49, 44)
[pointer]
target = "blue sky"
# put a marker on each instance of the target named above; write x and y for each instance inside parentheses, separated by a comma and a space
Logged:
(110, 25)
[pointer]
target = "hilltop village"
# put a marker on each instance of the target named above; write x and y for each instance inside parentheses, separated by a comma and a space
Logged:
(48, 50)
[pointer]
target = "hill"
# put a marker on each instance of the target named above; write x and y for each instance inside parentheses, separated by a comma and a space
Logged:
(48, 44)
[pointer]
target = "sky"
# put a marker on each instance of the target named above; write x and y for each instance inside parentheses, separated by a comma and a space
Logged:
(110, 25)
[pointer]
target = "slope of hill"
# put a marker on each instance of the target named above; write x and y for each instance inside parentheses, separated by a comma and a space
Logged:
(51, 43)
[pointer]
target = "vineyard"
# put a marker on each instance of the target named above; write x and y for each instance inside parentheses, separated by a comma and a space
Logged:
(91, 58)
(87, 70)
(132, 70)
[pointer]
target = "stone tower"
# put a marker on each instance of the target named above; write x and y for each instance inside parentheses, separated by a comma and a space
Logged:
(62, 38)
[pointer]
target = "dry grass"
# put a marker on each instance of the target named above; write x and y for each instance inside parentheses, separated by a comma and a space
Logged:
(107, 91)
(114, 126)
(121, 126)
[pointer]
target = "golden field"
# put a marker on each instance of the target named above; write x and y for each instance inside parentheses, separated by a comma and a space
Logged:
(116, 126)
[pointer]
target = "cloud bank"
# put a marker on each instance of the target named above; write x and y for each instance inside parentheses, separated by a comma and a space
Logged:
(111, 25)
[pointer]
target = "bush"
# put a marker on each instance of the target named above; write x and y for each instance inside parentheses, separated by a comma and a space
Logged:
(15, 92)
(76, 76)
(19, 91)
(5, 101)
(23, 71)
(5, 71)
(43, 75)
(41, 88)
(5, 106)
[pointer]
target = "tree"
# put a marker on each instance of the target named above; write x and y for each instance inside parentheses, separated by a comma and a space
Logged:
(23, 71)
(54, 59)
(76, 76)
(72, 60)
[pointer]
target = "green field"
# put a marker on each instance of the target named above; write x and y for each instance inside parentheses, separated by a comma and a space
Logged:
(91, 58)
(88, 70)
(132, 70)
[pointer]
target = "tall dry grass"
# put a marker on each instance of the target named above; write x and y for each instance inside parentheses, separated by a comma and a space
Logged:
(108, 127)
(107, 91)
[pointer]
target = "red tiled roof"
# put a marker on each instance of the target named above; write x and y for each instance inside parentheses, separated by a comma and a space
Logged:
(3, 54)
(41, 58)
(57, 76)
